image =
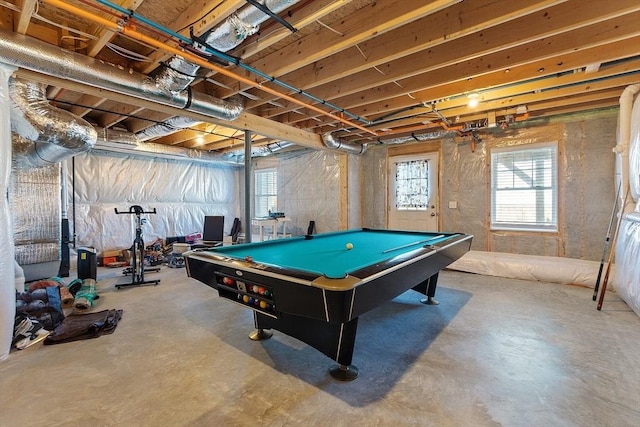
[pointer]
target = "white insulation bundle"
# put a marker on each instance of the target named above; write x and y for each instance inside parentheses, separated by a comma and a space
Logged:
(7, 286)
(627, 278)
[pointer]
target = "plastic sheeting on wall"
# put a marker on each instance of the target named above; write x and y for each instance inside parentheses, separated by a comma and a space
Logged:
(308, 189)
(7, 287)
(374, 188)
(183, 193)
(586, 187)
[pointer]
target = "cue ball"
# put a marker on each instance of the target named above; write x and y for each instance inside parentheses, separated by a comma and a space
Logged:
(349, 246)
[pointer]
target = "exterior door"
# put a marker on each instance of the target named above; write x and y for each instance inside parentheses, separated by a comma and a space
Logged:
(413, 192)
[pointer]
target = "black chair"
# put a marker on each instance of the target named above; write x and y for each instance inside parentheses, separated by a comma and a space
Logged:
(235, 230)
(312, 228)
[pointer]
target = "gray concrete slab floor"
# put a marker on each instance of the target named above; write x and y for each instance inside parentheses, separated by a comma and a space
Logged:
(495, 352)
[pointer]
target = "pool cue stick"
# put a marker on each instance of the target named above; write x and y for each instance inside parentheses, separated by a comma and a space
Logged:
(606, 242)
(412, 244)
(615, 237)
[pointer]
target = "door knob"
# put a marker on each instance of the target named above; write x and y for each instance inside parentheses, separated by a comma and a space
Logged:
(433, 214)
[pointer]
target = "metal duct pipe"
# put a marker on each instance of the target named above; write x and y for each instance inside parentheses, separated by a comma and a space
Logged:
(26, 52)
(179, 73)
(114, 141)
(55, 134)
(240, 25)
(418, 138)
(332, 142)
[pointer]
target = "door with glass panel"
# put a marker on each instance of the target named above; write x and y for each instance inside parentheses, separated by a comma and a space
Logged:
(413, 192)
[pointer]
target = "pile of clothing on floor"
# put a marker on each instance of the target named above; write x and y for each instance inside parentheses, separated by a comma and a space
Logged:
(41, 307)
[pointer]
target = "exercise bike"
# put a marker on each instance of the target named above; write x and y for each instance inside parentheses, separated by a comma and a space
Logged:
(137, 269)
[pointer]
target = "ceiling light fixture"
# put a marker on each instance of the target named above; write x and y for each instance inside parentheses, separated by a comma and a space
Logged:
(474, 98)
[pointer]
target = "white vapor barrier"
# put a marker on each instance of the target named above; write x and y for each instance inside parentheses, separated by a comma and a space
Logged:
(308, 189)
(374, 188)
(627, 278)
(7, 288)
(182, 193)
(529, 267)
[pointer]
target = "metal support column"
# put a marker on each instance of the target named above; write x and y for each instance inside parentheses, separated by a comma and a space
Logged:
(248, 180)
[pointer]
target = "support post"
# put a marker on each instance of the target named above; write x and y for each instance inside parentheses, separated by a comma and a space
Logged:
(247, 186)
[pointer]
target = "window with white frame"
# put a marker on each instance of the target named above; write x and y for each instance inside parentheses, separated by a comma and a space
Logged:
(412, 185)
(266, 191)
(524, 187)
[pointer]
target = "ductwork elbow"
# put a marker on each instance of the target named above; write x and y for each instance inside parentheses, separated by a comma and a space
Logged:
(334, 143)
(55, 134)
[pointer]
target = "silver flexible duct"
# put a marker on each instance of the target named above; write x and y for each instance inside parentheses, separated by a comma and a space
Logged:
(53, 134)
(178, 73)
(418, 137)
(114, 141)
(352, 148)
(26, 52)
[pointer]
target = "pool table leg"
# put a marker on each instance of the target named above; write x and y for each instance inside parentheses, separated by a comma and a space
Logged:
(260, 335)
(335, 340)
(428, 287)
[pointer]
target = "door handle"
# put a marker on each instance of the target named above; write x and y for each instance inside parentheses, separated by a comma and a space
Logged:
(433, 214)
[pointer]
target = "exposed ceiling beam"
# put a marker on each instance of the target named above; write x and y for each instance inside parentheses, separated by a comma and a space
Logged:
(409, 39)
(381, 16)
(251, 122)
(22, 19)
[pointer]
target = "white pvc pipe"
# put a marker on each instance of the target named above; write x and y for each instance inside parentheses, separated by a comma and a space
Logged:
(7, 287)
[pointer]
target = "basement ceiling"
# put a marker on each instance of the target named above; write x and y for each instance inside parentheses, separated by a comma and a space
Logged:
(363, 70)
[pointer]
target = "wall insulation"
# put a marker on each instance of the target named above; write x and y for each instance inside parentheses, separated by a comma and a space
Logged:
(182, 192)
(7, 286)
(308, 188)
(586, 166)
(36, 208)
(586, 188)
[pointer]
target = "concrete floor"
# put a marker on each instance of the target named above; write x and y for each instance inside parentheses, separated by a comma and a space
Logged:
(495, 352)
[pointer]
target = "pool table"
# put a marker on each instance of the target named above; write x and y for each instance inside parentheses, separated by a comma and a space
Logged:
(315, 287)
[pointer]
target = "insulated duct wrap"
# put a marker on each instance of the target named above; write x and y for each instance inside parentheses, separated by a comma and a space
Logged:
(110, 140)
(178, 74)
(335, 143)
(240, 25)
(56, 133)
(34, 55)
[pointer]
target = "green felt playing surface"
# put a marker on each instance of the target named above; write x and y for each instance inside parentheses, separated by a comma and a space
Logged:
(327, 254)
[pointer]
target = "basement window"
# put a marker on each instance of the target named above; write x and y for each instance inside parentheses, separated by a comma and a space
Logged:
(524, 188)
(266, 192)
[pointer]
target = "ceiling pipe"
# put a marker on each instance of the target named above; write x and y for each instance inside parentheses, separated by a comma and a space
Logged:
(349, 147)
(26, 52)
(113, 141)
(47, 134)
(136, 35)
(178, 73)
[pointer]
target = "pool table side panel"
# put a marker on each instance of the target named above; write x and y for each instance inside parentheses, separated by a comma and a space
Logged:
(287, 297)
(336, 341)
(369, 295)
